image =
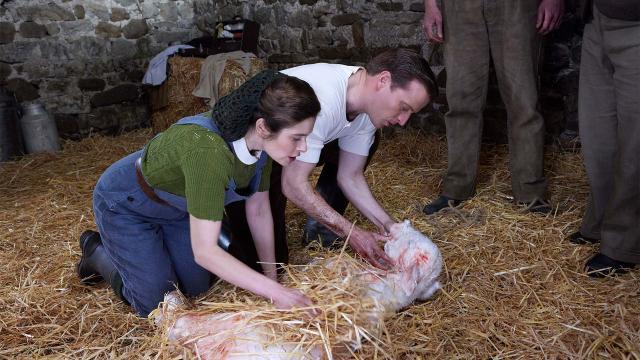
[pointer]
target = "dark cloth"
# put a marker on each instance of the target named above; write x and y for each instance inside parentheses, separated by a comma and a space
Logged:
(475, 33)
(628, 10)
(242, 246)
(609, 113)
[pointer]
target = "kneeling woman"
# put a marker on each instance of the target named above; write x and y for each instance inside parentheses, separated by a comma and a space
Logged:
(159, 210)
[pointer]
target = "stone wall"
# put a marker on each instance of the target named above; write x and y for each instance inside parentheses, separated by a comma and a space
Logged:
(305, 31)
(352, 31)
(85, 59)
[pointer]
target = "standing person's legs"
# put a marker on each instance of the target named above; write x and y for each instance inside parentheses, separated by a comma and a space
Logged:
(621, 222)
(515, 48)
(598, 127)
(466, 55)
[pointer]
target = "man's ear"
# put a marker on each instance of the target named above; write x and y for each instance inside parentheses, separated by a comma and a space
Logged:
(384, 79)
(262, 129)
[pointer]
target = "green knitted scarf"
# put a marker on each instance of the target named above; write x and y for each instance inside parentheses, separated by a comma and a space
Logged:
(233, 112)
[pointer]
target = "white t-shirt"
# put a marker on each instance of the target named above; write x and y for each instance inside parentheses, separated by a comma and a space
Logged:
(329, 81)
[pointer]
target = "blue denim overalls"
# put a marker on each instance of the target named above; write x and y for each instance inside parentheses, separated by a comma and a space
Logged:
(149, 242)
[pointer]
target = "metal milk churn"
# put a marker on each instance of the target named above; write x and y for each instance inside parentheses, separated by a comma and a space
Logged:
(10, 137)
(38, 129)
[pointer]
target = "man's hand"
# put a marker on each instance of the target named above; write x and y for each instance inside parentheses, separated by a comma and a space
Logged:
(432, 23)
(550, 14)
(365, 243)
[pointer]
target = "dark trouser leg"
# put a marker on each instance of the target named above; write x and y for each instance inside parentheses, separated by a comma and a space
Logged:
(327, 187)
(466, 55)
(515, 48)
(242, 246)
(609, 109)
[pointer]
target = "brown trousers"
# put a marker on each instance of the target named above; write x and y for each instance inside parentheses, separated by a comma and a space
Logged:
(475, 32)
(609, 115)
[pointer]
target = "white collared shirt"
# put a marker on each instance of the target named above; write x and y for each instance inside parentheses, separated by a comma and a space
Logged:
(329, 82)
(242, 152)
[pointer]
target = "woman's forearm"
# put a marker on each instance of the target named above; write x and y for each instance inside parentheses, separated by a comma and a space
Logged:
(213, 258)
(260, 222)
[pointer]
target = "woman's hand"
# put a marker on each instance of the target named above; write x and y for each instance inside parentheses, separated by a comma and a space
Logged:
(287, 298)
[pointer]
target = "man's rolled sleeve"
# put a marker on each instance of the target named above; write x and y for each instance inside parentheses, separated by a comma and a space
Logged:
(358, 143)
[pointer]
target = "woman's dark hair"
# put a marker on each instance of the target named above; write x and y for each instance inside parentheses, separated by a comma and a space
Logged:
(281, 100)
(405, 66)
(286, 102)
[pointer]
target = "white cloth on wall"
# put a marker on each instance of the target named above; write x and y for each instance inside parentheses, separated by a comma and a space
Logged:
(212, 69)
(157, 71)
(329, 81)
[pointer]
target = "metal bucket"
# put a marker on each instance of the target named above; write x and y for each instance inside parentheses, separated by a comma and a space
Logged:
(38, 129)
(10, 137)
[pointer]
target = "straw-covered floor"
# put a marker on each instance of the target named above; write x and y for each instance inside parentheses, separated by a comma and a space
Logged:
(513, 286)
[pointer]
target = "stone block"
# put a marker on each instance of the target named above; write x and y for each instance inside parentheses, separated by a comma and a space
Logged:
(5, 72)
(91, 84)
(345, 19)
(56, 86)
(357, 31)
(7, 32)
(119, 14)
(30, 29)
(149, 10)
(18, 51)
(169, 11)
(78, 11)
(112, 120)
(334, 53)
(88, 47)
(108, 30)
(73, 68)
(171, 37)
(134, 76)
(186, 11)
(390, 6)
(320, 37)
(126, 3)
(52, 28)
(78, 27)
(116, 95)
(98, 10)
(135, 29)
(121, 48)
(68, 125)
(301, 18)
(48, 12)
(263, 15)
(287, 58)
(24, 90)
(54, 49)
(37, 68)
(417, 6)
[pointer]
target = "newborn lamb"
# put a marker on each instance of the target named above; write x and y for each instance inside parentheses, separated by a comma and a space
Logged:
(418, 264)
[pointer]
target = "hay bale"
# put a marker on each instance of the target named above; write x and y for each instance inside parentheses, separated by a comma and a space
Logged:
(234, 76)
(184, 77)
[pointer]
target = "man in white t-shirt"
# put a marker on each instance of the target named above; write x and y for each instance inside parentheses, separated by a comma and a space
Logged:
(354, 101)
